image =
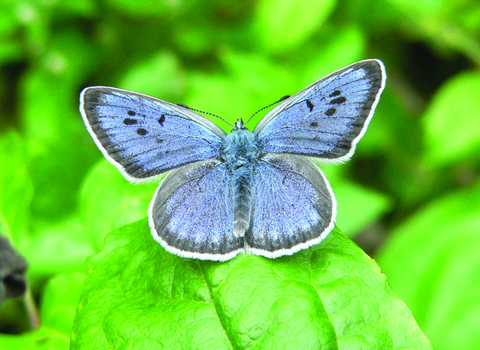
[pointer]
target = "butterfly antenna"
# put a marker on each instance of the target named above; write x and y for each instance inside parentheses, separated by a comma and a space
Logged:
(270, 105)
(199, 111)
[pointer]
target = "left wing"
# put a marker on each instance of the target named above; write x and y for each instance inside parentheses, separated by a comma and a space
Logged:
(328, 118)
(144, 136)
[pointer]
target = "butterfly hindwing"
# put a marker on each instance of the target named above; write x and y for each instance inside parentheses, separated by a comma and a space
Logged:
(143, 136)
(191, 214)
(326, 119)
(293, 206)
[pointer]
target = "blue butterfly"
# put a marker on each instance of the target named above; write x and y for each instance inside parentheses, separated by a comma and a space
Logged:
(255, 192)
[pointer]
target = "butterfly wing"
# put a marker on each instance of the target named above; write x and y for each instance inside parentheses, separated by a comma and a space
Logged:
(144, 136)
(191, 214)
(328, 118)
(293, 206)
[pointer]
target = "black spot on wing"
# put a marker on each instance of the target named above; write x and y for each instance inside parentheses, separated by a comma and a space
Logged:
(309, 105)
(314, 124)
(129, 121)
(161, 119)
(338, 100)
(335, 93)
(142, 132)
(330, 112)
(131, 113)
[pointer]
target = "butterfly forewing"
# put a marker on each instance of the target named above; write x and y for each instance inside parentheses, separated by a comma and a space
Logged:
(143, 136)
(328, 118)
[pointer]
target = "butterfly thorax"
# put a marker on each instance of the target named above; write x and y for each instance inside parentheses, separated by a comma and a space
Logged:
(240, 152)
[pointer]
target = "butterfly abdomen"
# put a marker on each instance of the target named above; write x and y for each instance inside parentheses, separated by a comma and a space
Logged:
(242, 201)
(240, 153)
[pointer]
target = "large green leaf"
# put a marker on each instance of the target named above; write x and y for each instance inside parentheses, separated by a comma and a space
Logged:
(432, 261)
(330, 296)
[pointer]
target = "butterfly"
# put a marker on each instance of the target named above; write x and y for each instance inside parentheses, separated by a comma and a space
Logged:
(244, 192)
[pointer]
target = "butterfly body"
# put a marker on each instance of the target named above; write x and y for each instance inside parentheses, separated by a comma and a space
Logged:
(241, 155)
(248, 191)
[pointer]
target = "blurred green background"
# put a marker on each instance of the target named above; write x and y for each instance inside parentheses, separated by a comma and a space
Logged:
(410, 196)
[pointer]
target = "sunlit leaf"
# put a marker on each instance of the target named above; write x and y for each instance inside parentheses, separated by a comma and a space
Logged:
(332, 295)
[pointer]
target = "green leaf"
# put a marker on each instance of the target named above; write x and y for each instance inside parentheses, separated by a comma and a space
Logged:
(108, 201)
(250, 83)
(424, 8)
(451, 122)
(16, 189)
(56, 248)
(59, 304)
(433, 263)
(330, 296)
(159, 76)
(284, 24)
(42, 339)
(148, 9)
(358, 206)
(343, 47)
(53, 126)
(60, 301)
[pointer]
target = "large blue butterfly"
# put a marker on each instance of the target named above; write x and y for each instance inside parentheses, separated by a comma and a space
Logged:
(256, 192)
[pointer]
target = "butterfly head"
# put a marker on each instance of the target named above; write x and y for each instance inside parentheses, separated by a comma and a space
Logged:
(239, 124)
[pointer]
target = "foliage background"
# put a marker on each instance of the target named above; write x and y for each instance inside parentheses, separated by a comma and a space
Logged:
(409, 197)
